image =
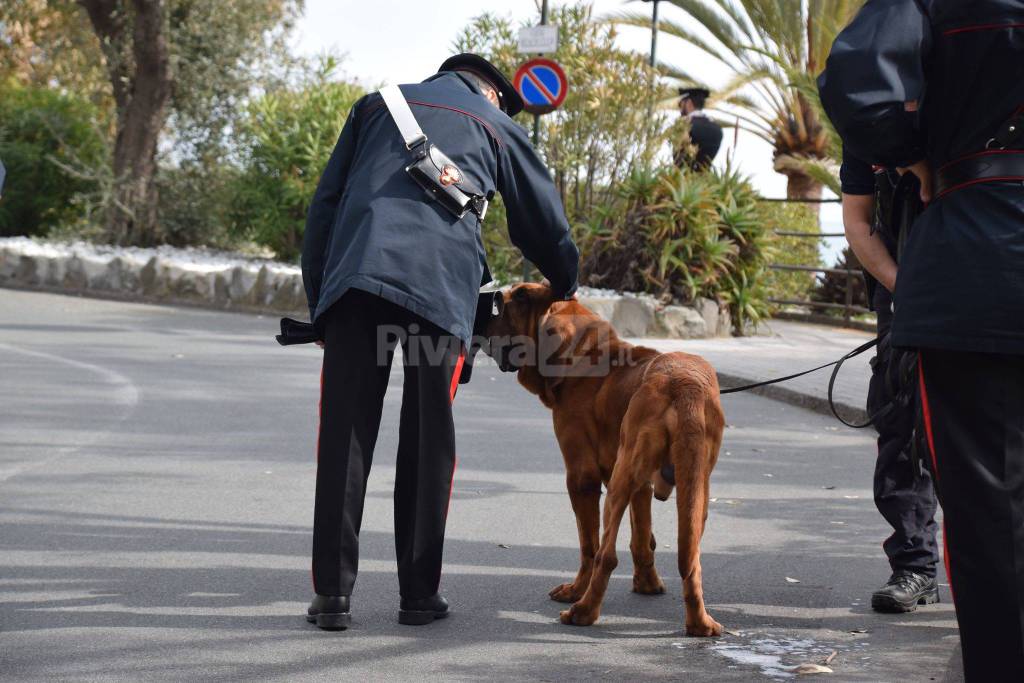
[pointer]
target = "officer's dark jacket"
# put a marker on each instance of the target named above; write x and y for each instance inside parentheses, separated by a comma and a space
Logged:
(707, 136)
(371, 227)
(961, 277)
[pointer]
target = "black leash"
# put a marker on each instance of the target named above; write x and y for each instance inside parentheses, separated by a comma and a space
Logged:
(838, 364)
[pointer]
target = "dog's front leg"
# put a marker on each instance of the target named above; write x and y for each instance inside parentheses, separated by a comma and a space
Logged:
(620, 490)
(585, 494)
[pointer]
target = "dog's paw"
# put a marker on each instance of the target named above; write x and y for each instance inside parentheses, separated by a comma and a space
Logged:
(578, 616)
(704, 628)
(648, 583)
(567, 592)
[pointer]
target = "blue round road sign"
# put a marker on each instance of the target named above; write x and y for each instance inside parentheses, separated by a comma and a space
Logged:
(542, 85)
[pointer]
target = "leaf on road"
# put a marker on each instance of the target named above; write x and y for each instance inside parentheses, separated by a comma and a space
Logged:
(829, 488)
(790, 579)
(502, 545)
(809, 668)
(859, 630)
(828, 660)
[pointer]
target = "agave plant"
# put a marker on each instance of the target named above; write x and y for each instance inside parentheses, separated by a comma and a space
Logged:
(680, 234)
(774, 50)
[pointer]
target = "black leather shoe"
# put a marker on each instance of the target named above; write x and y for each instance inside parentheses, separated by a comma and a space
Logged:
(904, 592)
(329, 612)
(422, 611)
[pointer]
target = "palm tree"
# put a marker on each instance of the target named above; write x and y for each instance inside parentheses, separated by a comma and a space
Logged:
(774, 49)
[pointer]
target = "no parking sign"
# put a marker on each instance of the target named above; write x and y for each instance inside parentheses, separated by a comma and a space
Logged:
(542, 85)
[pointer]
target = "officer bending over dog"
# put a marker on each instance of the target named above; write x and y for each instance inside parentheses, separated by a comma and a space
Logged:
(903, 490)
(960, 286)
(393, 254)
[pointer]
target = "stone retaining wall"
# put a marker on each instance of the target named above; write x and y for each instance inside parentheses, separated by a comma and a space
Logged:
(221, 281)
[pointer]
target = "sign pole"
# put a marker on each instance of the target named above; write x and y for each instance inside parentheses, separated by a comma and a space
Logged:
(654, 34)
(536, 129)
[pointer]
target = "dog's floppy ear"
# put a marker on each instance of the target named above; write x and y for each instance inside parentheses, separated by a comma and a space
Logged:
(570, 344)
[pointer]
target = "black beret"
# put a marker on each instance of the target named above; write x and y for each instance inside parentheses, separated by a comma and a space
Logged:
(511, 102)
(695, 93)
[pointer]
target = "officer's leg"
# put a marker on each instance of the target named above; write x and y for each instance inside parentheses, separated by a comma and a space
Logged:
(354, 380)
(905, 498)
(426, 457)
(903, 494)
(974, 415)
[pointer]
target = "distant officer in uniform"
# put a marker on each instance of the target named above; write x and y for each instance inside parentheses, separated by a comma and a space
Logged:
(705, 134)
(960, 287)
(903, 492)
(380, 256)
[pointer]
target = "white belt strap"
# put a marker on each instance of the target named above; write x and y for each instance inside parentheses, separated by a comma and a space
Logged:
(402, 115)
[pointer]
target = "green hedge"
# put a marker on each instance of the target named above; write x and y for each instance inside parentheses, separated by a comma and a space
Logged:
(286, 139)
(43, 136)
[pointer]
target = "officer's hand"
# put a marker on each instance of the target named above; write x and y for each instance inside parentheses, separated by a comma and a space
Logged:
(923, 171)
(320, 344)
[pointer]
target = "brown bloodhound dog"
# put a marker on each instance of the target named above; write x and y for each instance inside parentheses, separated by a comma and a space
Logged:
(620, 412)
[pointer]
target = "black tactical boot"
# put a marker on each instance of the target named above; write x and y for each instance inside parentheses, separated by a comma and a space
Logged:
(422, 611)
(904, 592)
(329, 612)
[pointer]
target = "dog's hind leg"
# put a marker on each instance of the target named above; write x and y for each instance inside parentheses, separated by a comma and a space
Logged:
(693, 470)
(645, 577)
(632, 471)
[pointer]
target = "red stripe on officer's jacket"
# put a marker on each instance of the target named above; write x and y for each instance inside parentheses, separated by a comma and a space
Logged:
(926, 410)
(981, 27)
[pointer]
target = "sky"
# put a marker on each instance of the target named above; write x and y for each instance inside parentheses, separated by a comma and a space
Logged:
(403, 41)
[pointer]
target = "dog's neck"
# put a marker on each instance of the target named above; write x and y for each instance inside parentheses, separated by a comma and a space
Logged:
(548, 388)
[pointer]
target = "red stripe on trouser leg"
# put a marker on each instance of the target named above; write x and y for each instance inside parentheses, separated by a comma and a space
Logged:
(451, 399)
(319, 424)
(455, 376)
(926, 411)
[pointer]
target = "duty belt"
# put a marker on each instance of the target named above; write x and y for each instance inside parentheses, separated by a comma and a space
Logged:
(1002, 160)
(994, 165)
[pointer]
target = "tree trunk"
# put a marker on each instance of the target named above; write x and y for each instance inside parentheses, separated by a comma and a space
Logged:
(141, 82)
(802, 186)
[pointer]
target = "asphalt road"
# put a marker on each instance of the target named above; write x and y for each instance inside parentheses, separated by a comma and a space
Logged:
(156, 496)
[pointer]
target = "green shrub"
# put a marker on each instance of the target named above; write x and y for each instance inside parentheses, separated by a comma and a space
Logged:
(286, 139)
(789, 250)
(43, 135)
(681, 235)
(195, 202)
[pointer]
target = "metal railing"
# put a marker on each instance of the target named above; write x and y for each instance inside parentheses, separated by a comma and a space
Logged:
(848, 308)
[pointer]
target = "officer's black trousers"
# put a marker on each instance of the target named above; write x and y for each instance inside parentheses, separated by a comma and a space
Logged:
(361, 332)
(903, 493)
(973, 410)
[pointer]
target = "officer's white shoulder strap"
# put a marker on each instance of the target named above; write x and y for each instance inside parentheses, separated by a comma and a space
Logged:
(402, 115)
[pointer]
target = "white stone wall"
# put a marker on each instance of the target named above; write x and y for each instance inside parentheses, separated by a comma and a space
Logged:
(226, 281)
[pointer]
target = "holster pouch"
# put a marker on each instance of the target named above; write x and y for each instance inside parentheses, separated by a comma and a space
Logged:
(486, 311)
(445, 182)
(296, 332)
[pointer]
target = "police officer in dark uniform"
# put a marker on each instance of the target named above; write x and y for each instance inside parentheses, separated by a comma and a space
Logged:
(385, 265)
(903, 491)
(705, 134)
(960, 288)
